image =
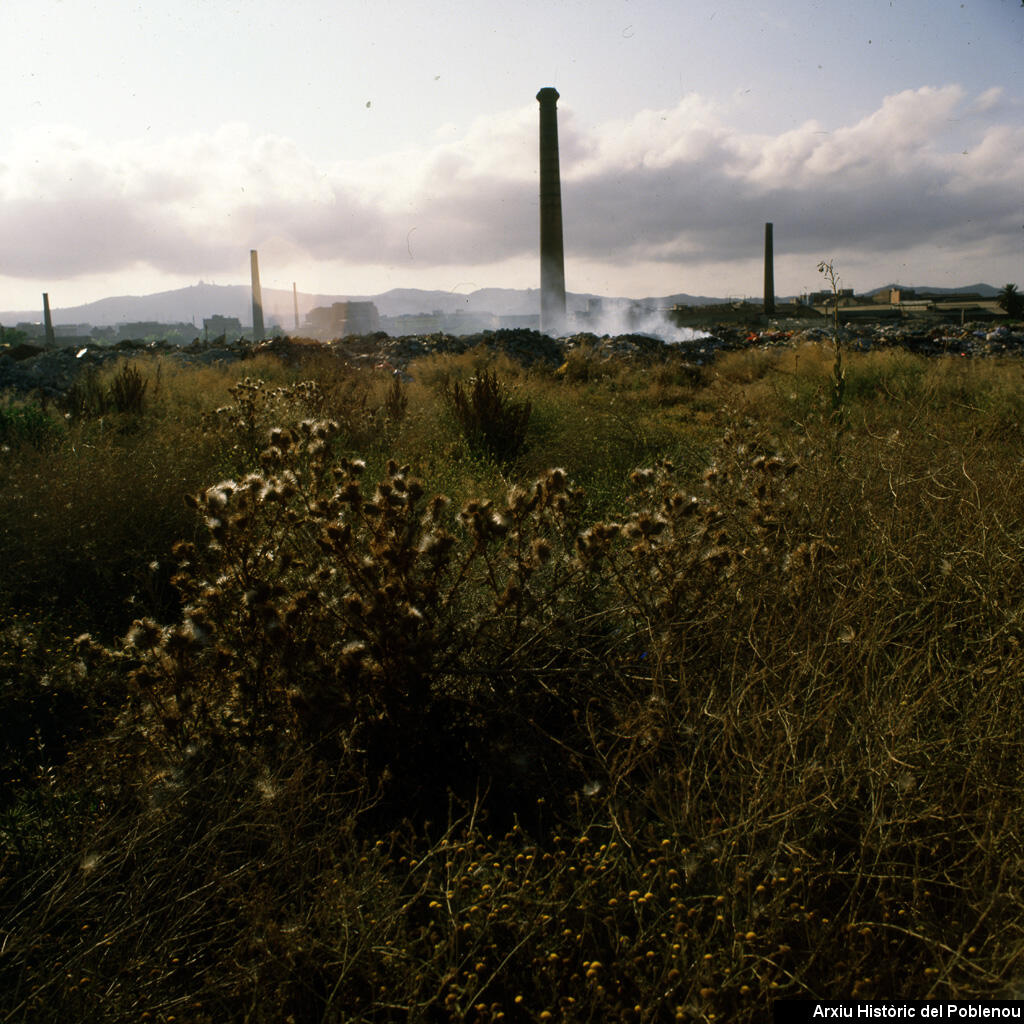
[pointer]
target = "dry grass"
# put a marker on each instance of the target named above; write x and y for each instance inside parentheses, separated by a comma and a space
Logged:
(745, 724)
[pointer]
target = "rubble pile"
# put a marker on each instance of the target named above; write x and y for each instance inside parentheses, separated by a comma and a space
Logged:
(30, 368)
(970, 339)
(50, 372)
(524, 346)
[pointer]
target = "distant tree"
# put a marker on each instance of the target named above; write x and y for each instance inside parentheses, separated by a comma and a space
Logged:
(1011, 300)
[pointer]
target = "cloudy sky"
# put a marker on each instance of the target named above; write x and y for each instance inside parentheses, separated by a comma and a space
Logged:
(362, 145)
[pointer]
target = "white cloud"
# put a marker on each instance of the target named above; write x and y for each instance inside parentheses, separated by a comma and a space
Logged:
(675, 194)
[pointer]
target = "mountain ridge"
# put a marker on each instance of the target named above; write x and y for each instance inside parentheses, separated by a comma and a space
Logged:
(193, 303)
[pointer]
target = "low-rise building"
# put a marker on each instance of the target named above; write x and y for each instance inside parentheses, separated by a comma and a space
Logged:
(342, 319)
(216, 326)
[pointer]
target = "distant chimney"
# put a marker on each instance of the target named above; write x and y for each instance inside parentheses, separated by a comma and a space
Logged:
(295, 299)
(257, 297)
(769, 272)
(552, 258)
(47, 322)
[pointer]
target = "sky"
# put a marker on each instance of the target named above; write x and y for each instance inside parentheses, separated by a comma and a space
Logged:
(363, 145)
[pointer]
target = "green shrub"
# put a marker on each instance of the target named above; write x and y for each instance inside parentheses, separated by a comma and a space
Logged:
(93, 394)
(127, 390)
(86, 398)
(492, 422)
(26, 422)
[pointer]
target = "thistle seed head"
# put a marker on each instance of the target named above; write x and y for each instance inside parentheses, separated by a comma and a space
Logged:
(217, 497)
(555, 480)
(271, 457)
(144, 634)
(437, 507)
(339, 534)
(717, 556)
(350, 494)
(517, 499)
(435, 545)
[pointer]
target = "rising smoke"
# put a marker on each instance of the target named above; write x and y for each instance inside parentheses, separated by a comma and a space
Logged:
(628, 319)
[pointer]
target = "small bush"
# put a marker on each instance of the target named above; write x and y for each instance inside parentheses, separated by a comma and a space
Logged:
(127, 391)
(26, 423)
(89, 397)
(378, 622)
(491, 421)
(86, 398)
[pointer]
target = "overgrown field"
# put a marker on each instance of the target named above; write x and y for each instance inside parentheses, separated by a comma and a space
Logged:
(623, 692)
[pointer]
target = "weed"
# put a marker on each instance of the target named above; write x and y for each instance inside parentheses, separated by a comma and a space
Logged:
(127, 390)
(838, 373)
(492, 422)
(26, 422)
(86, 398)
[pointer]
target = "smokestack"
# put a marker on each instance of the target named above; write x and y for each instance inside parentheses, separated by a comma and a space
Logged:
(257, 297)
(295, 299)
(47, 322)
(769, 272)
(552, 258)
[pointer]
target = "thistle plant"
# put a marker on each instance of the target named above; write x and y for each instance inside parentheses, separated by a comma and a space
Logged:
(410, 640)
(372, 620)
(827, 267)
(344, 400)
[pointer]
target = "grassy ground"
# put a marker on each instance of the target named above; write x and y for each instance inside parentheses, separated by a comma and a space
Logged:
(725, 708)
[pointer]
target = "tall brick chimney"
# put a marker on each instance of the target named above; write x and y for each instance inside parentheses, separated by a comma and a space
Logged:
(769, 272)
(552, 257)
(47, 321)
(257, 297)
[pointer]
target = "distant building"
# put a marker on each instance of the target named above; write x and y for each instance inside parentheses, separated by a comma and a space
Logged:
(520, 322)
(228, 326)
(909, 303)
(342, 319)
(64, 335)
(464, 322)
(825, 297)
(460, 322)
(71, 330)
(406, 324)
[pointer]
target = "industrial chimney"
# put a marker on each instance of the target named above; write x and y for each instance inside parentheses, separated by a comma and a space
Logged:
(769, 272)
(295, 300)
(257, 297)
(552, 258)
(47, 322)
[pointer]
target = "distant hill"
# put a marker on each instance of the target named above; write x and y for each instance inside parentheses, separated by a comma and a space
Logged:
(986, 291)
(199, 301)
